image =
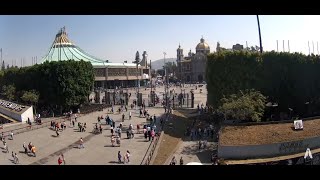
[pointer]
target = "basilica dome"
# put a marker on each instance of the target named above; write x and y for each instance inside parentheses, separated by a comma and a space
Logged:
(202, 45)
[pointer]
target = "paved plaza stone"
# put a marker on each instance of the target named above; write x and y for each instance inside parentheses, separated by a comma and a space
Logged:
(98, 149)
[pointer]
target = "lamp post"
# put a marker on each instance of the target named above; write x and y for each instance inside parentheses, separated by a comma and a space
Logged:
(290, 109)
(166, 83)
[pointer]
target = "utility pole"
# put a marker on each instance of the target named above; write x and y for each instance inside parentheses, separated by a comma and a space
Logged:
(312, 47)
(151, 97)
(288, 46)
(283, 45)
(277, 46)
(1, 54)
(309, 47)
(261, 48)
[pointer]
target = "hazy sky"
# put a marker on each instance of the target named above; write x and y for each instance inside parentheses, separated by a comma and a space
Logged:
(117, 38)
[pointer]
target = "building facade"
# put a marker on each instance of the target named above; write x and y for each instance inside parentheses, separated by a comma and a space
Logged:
(192, 68)
(107, 74)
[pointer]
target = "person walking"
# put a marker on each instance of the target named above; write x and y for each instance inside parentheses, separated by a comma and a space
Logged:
(123, 117)
(16, 159)
(81, 143)
(130, 115)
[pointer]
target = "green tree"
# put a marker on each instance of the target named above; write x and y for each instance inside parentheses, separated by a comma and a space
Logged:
(248, 105)
(171, 68)
(31, 97)
(9, 92)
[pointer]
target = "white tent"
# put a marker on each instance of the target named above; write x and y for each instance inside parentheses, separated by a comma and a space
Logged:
(194, 163)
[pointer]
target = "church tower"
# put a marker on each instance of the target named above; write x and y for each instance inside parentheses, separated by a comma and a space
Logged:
(144, 60)
(179, 54)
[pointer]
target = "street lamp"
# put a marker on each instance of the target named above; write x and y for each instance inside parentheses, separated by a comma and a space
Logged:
(290, 109)
(165, 75)
(271, 105)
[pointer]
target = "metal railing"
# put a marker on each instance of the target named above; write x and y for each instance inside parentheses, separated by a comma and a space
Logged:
(152, 147)
(31, 127)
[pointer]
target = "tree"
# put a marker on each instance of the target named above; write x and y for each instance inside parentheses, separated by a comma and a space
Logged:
(9, 91)
(30, 97)
(3, 67)
(171, 67)
(8, 66)
(248, 105)
(58, 84)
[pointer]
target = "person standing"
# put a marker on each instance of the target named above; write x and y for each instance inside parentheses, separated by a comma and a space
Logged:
(59, 161)
(119, 157)
(173, 161)
(63, 159)
(11, 134)
(128, 156)
(129, 115)
(25, 148)
(123, 117)
(181, 161)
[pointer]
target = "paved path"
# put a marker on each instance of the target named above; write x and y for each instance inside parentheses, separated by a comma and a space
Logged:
(97, 149)
(189, 151)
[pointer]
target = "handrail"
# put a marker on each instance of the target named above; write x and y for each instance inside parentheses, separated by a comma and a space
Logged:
(31, 127)
(150, 152)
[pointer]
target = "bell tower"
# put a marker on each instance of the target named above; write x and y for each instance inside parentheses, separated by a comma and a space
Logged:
(179, 54)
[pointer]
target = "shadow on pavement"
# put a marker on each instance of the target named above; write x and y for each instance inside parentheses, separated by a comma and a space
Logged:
(114, 162)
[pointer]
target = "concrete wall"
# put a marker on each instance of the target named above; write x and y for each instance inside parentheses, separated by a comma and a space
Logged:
(267, 150)
(10, 114)
(27, 114)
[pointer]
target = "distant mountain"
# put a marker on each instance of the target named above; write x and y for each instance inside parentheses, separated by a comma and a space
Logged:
(158, 64)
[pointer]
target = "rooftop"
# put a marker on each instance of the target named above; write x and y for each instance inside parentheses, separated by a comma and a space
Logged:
(268, 133)
(63, 49)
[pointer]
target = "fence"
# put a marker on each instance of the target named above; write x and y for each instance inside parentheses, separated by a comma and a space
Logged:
(31, 127)
(152, 147)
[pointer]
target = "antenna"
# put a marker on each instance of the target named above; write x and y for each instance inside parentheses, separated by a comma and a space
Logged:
(312, 47)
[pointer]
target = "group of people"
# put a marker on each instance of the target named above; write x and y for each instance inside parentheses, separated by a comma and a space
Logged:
(125, 158)
(174, 161)
(30, 148)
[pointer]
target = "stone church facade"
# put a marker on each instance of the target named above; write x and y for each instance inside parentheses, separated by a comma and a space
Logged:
(192, 68)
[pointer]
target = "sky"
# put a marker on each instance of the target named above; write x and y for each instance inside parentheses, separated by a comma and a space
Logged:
(117, 38)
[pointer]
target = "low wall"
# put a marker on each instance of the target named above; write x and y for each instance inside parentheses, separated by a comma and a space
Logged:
(267, 150)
